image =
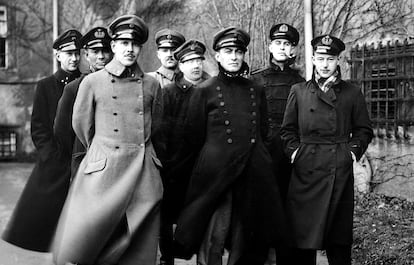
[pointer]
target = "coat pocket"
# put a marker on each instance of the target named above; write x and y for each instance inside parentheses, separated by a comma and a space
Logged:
(95, 166)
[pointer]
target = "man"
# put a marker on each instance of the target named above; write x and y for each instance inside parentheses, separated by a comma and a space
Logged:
(98, 53)
(325, 127)
(111, 215)
(36, 214)
(167, 41)
(277, 80)
(177, 160)
(232, 192)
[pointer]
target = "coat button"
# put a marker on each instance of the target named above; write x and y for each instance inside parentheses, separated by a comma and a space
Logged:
(254, 121)
(113, 80)
(116, 147)
(225, 112)
(226, 122)
(139, 81)
(116, 130)
(115, 113)
(254, 104)
(229, 140)
(222, 103)
(114, 97)
(228, 131)
(141, 145)
(252, 89)
(218, 88)
(252, 96)
(220, 95)
(140, 113)
(254, 113)
(252, 140)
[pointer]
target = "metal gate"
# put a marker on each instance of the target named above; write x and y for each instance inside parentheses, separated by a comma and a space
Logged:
(385, 73)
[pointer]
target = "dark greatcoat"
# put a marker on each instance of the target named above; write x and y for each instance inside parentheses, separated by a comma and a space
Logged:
(277, 84)
(176, 158)
(325, 128)
(227, 123)
(36, 214)
(69, 144)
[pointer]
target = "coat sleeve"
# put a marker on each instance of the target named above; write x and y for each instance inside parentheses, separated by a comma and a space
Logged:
(63, 130)
(83, 118)
(41, 127)
(361, 127)
(158, 137)
(289, 131)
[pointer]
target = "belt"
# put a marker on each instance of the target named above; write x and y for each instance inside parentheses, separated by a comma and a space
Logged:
(324, 140)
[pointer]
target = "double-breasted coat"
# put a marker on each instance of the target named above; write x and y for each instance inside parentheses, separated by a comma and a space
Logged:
(111, 215)
(177, 159)
(227, 125)
(325, 128)
(277, 84)
(33, 222)
(69, 145)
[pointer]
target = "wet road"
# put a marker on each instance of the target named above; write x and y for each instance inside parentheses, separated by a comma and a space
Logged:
(13, 177)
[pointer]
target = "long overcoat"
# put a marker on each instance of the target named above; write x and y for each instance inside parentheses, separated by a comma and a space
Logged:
(325, 128)
(277, 83)
(118, 180)
(33, 222)
(227, 124)
(177, 159)
(69, 145)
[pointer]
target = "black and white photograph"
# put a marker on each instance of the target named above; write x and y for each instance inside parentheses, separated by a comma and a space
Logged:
(206, 132)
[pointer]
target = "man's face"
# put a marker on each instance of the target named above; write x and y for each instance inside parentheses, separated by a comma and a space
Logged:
(281, 50)
(126, 51)
(98, 57)
(165, 55)
(230, 58)
(192, 69)
(69, 60)
(325, 64)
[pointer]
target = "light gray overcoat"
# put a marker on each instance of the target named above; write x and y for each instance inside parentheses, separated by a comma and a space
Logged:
(119, 177)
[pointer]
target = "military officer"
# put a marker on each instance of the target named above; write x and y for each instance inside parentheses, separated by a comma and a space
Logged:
(96, 43)
(232, 190)
(167, 41)
(325, 127)
(111, 215)
(177, 160)
(277, 80)
(36, 214)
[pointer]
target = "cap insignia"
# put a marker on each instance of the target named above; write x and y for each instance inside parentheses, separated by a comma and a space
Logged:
(131, 26)
(193, 46)
(283, 28)
(326, 40)
(99, 34)
(169, 36)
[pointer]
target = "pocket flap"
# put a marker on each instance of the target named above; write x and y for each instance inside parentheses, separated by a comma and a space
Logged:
(95, 166)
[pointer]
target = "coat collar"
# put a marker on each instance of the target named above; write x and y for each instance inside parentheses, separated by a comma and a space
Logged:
(167, 73)
(117, 69)
(185, 85)
(328, 97)
(64, 77)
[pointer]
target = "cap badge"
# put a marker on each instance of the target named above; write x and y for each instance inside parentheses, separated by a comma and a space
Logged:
(99, 34)
(131, 26)
(73, 38)
(283, 28)
(193, 46)
(169, 37)
(326, 40)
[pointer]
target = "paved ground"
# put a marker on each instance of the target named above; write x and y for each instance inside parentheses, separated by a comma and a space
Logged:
(13, 177)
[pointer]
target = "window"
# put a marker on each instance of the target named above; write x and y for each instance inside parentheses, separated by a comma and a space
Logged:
(8, 143)
(3, 37)
(386, 73)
